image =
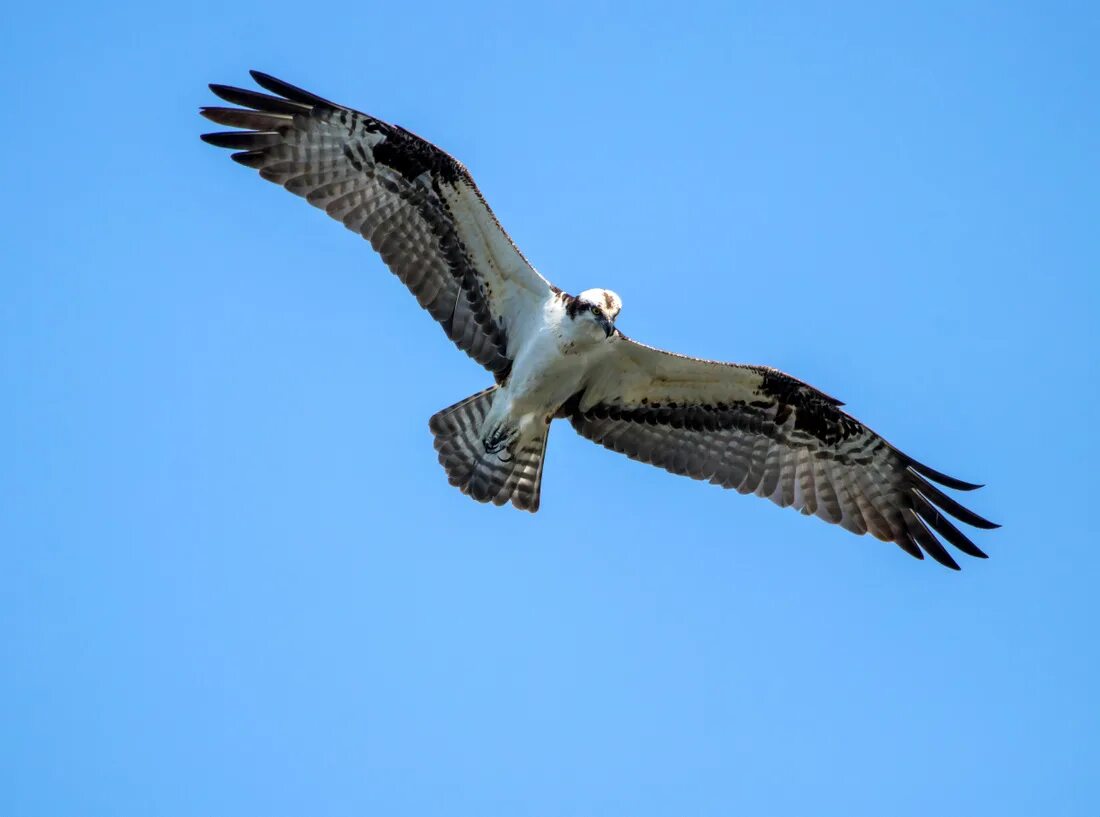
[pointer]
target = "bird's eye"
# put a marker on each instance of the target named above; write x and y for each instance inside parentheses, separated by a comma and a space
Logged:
(597, 312)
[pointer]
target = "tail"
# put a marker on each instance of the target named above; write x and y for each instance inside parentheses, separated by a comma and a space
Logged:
(512, 473)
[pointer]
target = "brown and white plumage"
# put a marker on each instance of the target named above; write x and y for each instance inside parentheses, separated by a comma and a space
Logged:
(416, 205)
(760, 431)
(750, 428)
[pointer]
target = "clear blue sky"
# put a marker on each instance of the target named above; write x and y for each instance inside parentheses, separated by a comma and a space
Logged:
(234, 579)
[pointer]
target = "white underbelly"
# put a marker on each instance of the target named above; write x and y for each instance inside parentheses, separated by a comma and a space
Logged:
(543, 378)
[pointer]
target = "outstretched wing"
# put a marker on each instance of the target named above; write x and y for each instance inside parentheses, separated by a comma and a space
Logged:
(763, 432)
(414, 203)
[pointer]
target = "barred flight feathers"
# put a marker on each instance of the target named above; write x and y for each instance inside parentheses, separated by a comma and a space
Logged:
(759, 431)
(416, 205)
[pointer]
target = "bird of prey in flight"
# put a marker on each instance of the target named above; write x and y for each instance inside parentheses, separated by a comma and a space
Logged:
(552, 354)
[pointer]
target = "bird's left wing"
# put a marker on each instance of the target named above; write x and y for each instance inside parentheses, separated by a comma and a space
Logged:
(760, 431)
(416, 205)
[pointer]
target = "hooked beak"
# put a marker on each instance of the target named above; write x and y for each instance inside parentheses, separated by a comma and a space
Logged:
(608, 326)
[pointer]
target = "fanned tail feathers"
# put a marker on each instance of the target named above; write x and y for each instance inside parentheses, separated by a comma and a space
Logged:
(514, 475)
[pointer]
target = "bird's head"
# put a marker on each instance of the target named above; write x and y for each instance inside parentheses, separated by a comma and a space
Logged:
(598, 306)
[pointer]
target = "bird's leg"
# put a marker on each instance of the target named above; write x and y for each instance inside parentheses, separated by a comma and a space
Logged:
(500, 439)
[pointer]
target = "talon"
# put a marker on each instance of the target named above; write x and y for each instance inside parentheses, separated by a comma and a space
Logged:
(498, 440)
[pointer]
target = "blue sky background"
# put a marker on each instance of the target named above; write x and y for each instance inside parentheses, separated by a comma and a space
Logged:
(234, 579)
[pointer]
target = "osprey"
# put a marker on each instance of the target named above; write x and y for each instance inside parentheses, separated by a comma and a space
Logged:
(750, 428)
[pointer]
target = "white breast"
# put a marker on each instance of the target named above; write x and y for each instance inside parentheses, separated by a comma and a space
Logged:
(551, 364)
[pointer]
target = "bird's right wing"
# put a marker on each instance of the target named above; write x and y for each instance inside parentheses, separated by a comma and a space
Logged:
(763, 432)
(416, 205)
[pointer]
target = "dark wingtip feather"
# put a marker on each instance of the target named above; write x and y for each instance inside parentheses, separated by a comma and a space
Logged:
(946, 503)
(249, 158)
(229, 93)
(940, 477)
(909, 546)
(285, 89)
(242, 139)
(245, 119)
(919, 532)
(942, 525)
(257, 101)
